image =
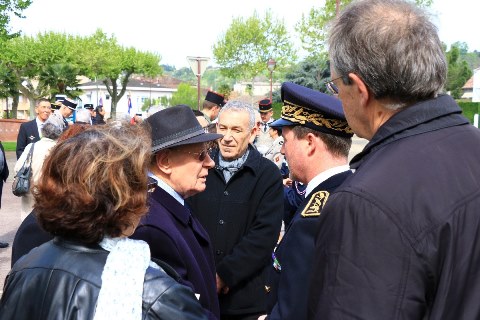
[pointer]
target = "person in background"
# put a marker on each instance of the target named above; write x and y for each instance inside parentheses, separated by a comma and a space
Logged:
(212, 104)
(273, 153)
(241, 209)
(317, 155)
(264, 140)
(91, 270)
(91, 109)
(99, 115)
(136, 119)
(51, 130)
(3, 178)
(83, 116)
(67, 107)
(399, 238)
(30, 131)
(201, 118)
(179, 165)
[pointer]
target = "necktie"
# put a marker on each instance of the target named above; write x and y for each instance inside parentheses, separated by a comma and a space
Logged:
(264, 127)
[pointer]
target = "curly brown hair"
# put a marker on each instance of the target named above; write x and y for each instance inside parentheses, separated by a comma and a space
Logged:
(94, 184)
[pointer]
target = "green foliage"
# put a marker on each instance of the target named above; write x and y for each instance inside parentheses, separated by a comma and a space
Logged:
(458, 70)
(186, 94)
(469, 109)
(7, 8)
(313, 28)
(310, 73)
(244, 49)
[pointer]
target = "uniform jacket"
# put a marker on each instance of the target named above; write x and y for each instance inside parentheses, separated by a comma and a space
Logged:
(399, 239)
(273, 153)
(263, 141)
(287, 284)
(177, 238)
(243, 218)
(62, 280)
(27, 133)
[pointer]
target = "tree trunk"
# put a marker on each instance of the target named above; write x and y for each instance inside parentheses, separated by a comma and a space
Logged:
(13, 112)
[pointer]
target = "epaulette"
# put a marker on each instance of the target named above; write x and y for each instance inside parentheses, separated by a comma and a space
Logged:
(315, 205)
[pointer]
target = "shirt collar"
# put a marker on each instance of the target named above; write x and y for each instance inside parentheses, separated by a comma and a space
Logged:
(324, 176)
(162, 184)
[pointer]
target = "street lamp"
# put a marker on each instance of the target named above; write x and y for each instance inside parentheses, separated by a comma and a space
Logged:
(271, 66)
(198, 65)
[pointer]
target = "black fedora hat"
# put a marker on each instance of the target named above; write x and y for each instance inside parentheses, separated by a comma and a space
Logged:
(176, 126)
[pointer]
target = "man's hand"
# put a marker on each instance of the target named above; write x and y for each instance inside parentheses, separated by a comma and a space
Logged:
(221, 286)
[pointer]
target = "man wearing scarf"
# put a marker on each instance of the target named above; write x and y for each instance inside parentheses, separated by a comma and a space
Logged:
(241, 209)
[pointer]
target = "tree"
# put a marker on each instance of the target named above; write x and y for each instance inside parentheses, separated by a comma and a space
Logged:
(244, 49)
(458, 70)
(310, 73)
(105, 59)
(8, 7)
(312, 29)
(9, 88)
(186, 94)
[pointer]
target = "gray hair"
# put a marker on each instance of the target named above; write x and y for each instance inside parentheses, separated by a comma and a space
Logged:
(240, 106)
(393, 47)
(83, 115)
(53, 127)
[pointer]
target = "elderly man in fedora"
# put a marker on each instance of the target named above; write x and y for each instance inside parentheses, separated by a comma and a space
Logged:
(179, 165)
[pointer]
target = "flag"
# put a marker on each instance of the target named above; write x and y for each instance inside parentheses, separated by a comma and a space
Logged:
(129, 105)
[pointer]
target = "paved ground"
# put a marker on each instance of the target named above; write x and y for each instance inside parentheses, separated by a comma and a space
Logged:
(10, 211)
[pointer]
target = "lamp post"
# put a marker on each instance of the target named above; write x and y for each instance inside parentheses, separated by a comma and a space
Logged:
(271, 66)
(198, 66)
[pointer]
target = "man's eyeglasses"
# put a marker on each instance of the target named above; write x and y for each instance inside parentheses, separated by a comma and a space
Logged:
(332, 87)
(201, 156)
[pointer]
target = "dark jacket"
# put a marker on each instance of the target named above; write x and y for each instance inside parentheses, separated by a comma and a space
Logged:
(27, 133)
(3, 171)
(177, 238)
(399, 239)
(28, 236)
(243, 219)
(287, 284)
(62, 280)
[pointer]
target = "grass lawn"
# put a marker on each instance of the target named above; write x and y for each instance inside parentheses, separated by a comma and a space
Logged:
(9, 145)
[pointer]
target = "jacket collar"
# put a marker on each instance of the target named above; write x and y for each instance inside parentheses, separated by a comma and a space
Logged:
(180, 212)
(426, 116)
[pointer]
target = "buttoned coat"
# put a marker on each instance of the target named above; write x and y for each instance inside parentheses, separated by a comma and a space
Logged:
(243, 218)
(27, 133)
(176, 237)
(287, 284)
(400, 238)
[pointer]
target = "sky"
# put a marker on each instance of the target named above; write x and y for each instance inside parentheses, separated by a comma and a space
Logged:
(176, 29)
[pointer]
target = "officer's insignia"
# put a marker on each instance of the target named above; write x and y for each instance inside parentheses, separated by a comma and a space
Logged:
(268, 289)
(315, 205)
(31, 138)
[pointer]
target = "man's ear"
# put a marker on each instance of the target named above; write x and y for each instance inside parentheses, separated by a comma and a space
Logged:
(360, 87)
(163, 161)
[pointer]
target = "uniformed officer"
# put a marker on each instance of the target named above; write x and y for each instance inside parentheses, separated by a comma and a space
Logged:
(211, 106)
(273, 152)
(317, 140)
(67, 107)
(264, 140)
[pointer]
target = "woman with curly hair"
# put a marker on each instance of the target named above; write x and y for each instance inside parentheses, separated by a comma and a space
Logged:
(91, 197)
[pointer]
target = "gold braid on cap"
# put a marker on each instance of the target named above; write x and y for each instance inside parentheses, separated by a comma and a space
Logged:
(302, 115)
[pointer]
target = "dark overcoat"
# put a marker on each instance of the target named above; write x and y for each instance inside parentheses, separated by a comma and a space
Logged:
(400, 238)
(288, 275)
(243, 218)
(27, 133)
(176, 237)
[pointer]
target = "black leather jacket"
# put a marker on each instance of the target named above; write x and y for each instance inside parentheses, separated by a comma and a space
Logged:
(62, 279)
